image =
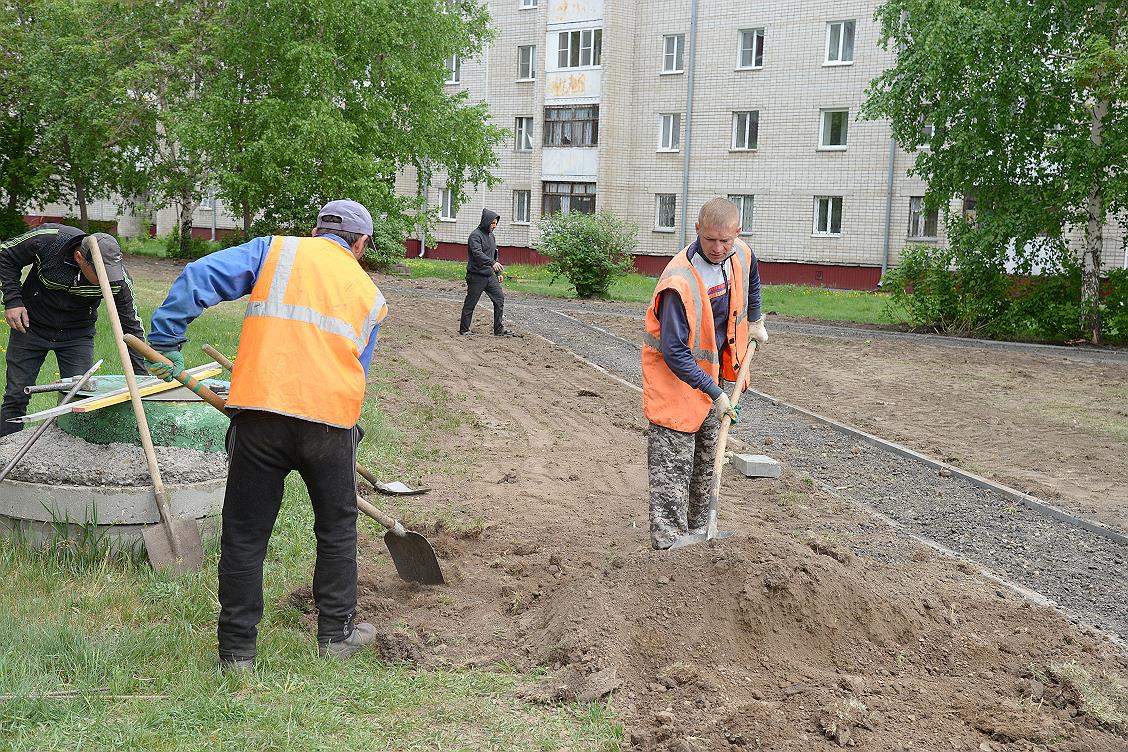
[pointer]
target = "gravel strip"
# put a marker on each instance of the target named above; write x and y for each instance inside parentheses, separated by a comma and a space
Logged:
(58, 458)
(1082, 572)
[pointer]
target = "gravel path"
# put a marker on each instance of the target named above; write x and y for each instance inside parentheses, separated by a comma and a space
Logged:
(1082, 572)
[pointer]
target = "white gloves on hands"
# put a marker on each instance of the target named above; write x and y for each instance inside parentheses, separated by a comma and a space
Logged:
(725, 407)
(757, 331)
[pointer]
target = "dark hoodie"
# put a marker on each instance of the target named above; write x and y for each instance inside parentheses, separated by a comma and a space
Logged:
(482, 247)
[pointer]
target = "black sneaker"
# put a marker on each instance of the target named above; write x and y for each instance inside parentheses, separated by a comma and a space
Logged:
(362, 636)
(506, 333)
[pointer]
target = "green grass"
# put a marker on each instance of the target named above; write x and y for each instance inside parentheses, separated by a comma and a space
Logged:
(784, 300)
(137, 648)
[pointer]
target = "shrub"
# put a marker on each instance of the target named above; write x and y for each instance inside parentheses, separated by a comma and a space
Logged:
(1114, 314)
(388, 234)
(590, 250)
(196, 248)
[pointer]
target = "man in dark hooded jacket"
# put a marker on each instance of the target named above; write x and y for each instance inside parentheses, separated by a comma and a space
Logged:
(482, 274)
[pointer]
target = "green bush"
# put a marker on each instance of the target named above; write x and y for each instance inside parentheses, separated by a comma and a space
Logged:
(1114, 313)
(11, 223)
(590, 250)
(196, 248)
(108, 226)
(388, 234)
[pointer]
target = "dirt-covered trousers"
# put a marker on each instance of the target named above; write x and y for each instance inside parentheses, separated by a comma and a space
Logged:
(24, 358)
(262, 449)
(681, 479)
(476, 284)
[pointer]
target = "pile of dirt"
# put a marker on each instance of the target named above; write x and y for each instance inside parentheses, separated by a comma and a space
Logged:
(816, 627)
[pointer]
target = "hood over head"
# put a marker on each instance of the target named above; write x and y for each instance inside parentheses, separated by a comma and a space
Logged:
(487, 219)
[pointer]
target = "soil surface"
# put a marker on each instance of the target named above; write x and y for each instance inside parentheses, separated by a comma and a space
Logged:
(817, 626)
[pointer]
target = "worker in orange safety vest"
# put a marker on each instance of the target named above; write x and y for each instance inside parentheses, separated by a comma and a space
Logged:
(705, 307)
(297, 390)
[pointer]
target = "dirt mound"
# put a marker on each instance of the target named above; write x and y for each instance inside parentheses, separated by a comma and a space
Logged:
(815, 627)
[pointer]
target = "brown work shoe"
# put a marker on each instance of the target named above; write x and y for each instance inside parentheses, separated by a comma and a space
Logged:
(362, 636)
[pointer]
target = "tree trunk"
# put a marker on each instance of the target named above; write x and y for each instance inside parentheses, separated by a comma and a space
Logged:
(1094, 236)
(80, 199)
(187, 209)
(246, 217)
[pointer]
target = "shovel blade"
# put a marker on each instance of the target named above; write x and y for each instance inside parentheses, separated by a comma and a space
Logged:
(395, 488)
(689, 540)
(159, 540)
(414, 558)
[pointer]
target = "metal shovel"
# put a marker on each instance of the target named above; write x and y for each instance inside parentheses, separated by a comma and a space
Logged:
(711, 531)
(175, 543)
(412, 554)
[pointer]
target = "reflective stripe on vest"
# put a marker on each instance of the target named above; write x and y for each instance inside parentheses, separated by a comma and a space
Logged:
(274, 305)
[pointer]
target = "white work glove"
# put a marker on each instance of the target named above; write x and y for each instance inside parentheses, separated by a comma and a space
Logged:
(757, 331)
(725, 407)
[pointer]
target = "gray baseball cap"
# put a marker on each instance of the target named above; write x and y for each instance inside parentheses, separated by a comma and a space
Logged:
(347, 216)
(111, 255)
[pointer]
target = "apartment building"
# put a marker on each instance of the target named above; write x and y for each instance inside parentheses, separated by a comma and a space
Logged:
(647, 110)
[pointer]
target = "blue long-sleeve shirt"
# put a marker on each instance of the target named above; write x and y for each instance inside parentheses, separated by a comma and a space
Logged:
(224, 275)
(674, 325)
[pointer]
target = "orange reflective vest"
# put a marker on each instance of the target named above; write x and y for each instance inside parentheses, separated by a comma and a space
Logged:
(311, 313)
(667, 400)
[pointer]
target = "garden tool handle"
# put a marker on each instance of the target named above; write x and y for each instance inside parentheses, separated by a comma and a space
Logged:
(393, 525)
(722, 439)
(364, 472)
(187, 379)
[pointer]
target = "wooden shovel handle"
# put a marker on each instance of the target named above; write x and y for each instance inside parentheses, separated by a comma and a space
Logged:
(722, 439)
(186, 379)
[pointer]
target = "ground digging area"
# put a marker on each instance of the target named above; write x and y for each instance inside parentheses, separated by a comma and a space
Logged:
(815, 627)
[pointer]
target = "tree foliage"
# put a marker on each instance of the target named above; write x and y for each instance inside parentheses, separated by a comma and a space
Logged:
(276, 105)
(590, 250)
(1029, 107)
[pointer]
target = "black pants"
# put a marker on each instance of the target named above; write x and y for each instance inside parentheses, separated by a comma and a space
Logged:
(24, 359)
(476, 284)
(262, 450)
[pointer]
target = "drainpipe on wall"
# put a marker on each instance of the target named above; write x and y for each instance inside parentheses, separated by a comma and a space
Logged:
(888, 206)
(424, 191)
(688, 119)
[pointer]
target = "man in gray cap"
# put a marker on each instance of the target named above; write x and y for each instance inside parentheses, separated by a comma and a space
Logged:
(297, 390)
(56, 308)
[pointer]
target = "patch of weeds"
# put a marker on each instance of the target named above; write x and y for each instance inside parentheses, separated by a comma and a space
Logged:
(1104, 698)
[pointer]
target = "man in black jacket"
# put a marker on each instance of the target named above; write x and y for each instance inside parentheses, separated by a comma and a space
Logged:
(482, 274)
(56, 307)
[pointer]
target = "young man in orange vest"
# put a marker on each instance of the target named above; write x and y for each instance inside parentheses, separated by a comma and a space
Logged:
(297, 390)
(705, 307)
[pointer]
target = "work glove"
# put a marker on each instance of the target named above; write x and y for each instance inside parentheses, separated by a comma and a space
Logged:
(758, 332)
(164, 370)
(725, 407)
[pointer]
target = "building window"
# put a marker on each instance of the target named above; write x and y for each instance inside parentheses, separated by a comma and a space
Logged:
(673, 55)
(745, 130)
(527, 62)
(839, 42)
(521, 207)
(669, 131)
(526, 4)
(447, 208)
(665, 207)
(750, 54)
(576, 49)
(571, 126)
(568, 197)
(926, 134)
(523, 134)
(744, 204)
(454, 69)
(828, 215)
(922, 220)
(835, 123)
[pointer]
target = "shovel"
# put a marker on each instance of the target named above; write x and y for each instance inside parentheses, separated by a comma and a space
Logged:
(395, 488)
(412, 554)
(175, 543)
(711, 531)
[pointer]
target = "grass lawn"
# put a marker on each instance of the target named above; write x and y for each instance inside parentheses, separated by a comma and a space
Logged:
(136, 649)
(785, 300)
